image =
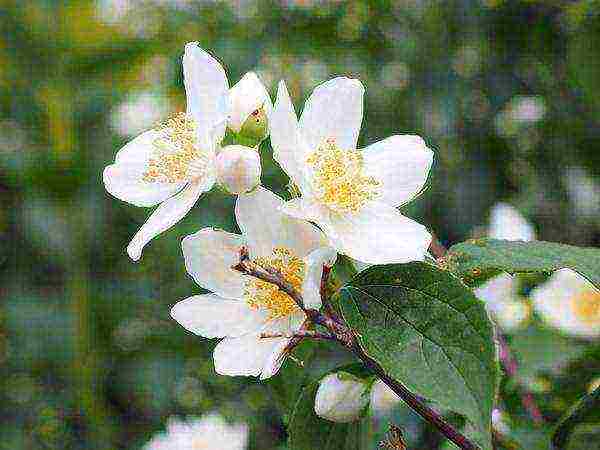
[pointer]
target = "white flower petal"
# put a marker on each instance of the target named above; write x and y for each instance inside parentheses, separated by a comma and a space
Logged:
(506, 222)
(334, 110)
(248, 95)
(378, 234)
(288, 325)
(238, 168)
(311, 286)
(206, 88)
(209, 255)
(501, 298)
(125, 182)
(289, 149)
(401, 164)
(164, 217)
(557, 303)
(341, 397)
(245, 355)
(303, 208)
(139, 149)
(383, 399)
(497, 290)
(213, 316)
(265, 226)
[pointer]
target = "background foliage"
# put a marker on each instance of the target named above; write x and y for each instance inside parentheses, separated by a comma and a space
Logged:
(504, 91)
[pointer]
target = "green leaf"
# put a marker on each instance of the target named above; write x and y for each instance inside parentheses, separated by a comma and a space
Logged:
(476, 260)
(430, 332)
(307, 431)
(585, 411)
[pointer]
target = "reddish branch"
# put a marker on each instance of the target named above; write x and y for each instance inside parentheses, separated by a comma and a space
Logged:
(338, 331)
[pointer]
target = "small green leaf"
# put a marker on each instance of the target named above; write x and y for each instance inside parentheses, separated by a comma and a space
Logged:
(585, 411)
(430, 332)
(307, 431)
(476, 260)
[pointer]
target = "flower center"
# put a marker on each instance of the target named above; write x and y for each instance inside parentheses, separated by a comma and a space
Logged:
(262, 294)
(587, 307)
(176, 156)
(338, 178)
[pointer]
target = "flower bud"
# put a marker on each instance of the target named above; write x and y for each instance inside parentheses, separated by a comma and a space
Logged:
(341, 397)
(238, 168)
(250, 107)
(383, 399)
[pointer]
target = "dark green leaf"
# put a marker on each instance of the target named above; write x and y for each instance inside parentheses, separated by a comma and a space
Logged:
(585, 411)
(476, 260)
(307, 431)
(430, 332)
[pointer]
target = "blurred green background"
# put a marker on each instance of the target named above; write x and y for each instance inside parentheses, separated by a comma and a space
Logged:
(505, 92)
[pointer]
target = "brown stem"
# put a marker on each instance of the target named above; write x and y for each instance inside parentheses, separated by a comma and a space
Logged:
(346, 337)
(414, 402)
(436, 248)
(300, 335)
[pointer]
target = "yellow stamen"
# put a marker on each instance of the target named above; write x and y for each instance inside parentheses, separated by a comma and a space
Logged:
(586, 306)
(338, 178)
(176, 151)
(262, 294)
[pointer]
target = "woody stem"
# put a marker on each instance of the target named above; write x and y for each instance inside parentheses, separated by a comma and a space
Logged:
(341, 333)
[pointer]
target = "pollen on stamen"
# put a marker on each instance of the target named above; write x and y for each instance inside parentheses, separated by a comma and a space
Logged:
(262, 294)
(587, 307)
(338, 177)
(176, 154)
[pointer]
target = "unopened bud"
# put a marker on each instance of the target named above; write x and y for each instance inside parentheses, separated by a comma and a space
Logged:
(238, 168)
(250, 108)
(341, 397)
(383, 399)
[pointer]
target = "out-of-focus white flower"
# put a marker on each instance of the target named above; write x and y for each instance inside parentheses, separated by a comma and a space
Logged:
(341, 397)
(139, 112)
(352, 195)
(172, 164)
(242, 308)
(383, 399)
(569, 302)
(519, 113)
(210, 432)
(238, 168)
(506, 222)
(500, 293)
(248, 99)
(584, 192)
(501, 297)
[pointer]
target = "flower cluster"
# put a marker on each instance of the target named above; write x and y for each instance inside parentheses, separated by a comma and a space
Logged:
(345, 201)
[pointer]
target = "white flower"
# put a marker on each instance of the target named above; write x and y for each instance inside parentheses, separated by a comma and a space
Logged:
(383, 399)
(238, 168)
(352, 195)
(570, 303)
(246, 98)
(506, 222)
(209, 432)
(341, 397)
(241, 308)
(174, 163)
(500, 293)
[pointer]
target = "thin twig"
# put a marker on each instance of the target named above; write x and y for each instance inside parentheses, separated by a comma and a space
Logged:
(436, 248)
(300, 335)
(346, 337)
